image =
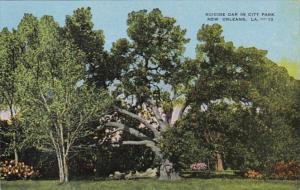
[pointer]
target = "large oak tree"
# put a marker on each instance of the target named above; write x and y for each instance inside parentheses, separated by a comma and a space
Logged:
(146, 89)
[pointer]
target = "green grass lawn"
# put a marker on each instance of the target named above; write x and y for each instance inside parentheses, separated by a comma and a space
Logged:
(152, 184)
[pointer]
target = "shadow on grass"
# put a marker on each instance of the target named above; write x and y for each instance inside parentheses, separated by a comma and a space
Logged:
(228, 174)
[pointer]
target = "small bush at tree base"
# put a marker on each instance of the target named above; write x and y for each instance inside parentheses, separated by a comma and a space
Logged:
(253, 174)
(10, 170)
(198, 166)
(289, 170)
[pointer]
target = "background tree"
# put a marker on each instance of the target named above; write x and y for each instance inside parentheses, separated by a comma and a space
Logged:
(10, 58)
(238, 93)
(79, 29)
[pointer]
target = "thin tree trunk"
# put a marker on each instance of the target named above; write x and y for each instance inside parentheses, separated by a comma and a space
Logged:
(14, 135)
(60, 168)
(219, 162)
(66, 169)
(15, 148)
(63, 155)
(63, 168)
(16, 156)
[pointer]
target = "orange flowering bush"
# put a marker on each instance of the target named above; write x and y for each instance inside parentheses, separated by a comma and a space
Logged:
(11, 170)
(253, 174)
(289, 170)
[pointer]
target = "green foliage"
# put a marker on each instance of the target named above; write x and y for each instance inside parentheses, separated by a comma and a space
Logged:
(181, 145)
(53, 100)
(243, 105)
(239, 103)
(10, 56)
(28, 31)
(152, 55)
(79, 29)
(54, 88)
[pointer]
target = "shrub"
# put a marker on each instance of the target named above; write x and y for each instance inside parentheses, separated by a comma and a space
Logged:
(198, 166)
(253, 174)
(10, 170)
(282, 170)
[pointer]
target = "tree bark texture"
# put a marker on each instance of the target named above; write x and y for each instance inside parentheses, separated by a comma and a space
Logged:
(166, 170)
(219, 163)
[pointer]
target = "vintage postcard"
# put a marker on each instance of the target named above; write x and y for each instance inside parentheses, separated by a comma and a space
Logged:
(149, 94)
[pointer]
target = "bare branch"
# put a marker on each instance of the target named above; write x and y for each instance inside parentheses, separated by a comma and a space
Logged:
(45, 102)
(123, 127)
(142, 120)
(144, 142)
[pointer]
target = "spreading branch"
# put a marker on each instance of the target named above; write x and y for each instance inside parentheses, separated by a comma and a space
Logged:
(125, 128)
(162, 123)
(142, 120)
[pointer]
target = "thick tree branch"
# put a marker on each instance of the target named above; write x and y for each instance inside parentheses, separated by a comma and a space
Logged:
(162, 123)
(144, 142)
(142, 120)
(178, 112)
(123, 127)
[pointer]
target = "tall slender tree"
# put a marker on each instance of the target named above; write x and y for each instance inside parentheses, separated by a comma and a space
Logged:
(56, 101)
(10, 54)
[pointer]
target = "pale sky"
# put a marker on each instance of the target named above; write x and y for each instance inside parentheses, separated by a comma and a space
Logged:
(281, 37)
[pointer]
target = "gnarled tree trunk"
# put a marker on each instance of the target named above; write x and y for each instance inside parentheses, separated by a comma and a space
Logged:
(167, 171)
(219, 162)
